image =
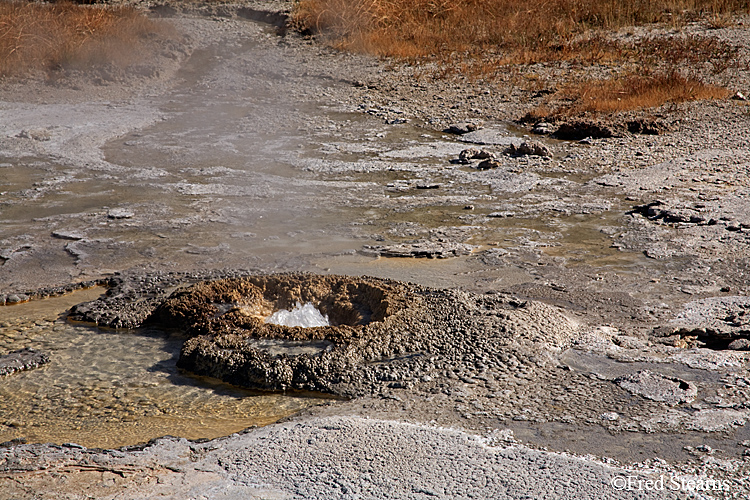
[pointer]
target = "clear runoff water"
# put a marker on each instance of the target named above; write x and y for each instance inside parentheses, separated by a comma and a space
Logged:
(106, 388)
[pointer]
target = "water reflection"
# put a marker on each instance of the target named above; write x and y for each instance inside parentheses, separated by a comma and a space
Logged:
(114, 388)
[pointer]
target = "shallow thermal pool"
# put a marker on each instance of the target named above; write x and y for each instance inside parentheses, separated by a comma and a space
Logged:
(106, 388)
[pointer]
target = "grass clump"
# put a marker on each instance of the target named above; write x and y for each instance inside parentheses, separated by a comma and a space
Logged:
(635, 92)
(36, 36)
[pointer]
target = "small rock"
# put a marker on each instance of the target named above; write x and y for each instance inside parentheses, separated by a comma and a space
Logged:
(580, 129)
(586, 141)
(15, 298)
(23, 359)
(74, 446)
(469, 207)
(739, 96)
(464, 127)
(13, 442)
(474, 154)
(399, 385)
(120, 213)
(665, 331)
(428, 249)
(739, 345)
(542, 128)
(531, 148)
(67, 235)
(658, 387)
(610, 416)
(488, 164)
(37, 134)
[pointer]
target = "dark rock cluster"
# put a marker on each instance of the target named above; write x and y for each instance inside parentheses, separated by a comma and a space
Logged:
(22, 359)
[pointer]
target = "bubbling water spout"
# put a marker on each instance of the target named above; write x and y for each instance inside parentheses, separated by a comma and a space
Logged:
(306, 316)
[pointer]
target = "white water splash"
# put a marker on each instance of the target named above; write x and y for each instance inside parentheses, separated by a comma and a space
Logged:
(306, 316)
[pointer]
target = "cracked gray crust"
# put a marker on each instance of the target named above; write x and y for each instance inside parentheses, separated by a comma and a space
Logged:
(330, 457)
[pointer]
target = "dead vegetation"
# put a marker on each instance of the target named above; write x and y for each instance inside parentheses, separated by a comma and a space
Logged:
(487, 39)
(55, 36)
(635, 92)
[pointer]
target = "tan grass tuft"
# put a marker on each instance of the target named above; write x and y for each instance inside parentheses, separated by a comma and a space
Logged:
(638, 92)
(36, 36)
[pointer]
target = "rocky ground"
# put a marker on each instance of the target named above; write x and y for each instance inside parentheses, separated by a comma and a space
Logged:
(593, 329)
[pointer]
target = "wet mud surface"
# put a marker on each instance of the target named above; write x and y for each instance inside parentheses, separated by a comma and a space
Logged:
(588, 297)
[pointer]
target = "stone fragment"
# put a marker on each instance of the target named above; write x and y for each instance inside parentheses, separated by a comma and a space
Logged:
(475, 154)
(488, 164)
(580, 129)
(542, 128)
(15, 298)
(464, 127)
(67, 235)
(37, 134)
(529, 148)
(428, 249)
(739, 345)
(739, 96)
(658, 387)
(22, 359)
(120, 213)
(665, 331)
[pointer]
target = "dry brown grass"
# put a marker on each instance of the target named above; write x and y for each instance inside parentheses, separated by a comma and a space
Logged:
(482, 38)
(533, 29)
(635, 92)
(49, 37)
